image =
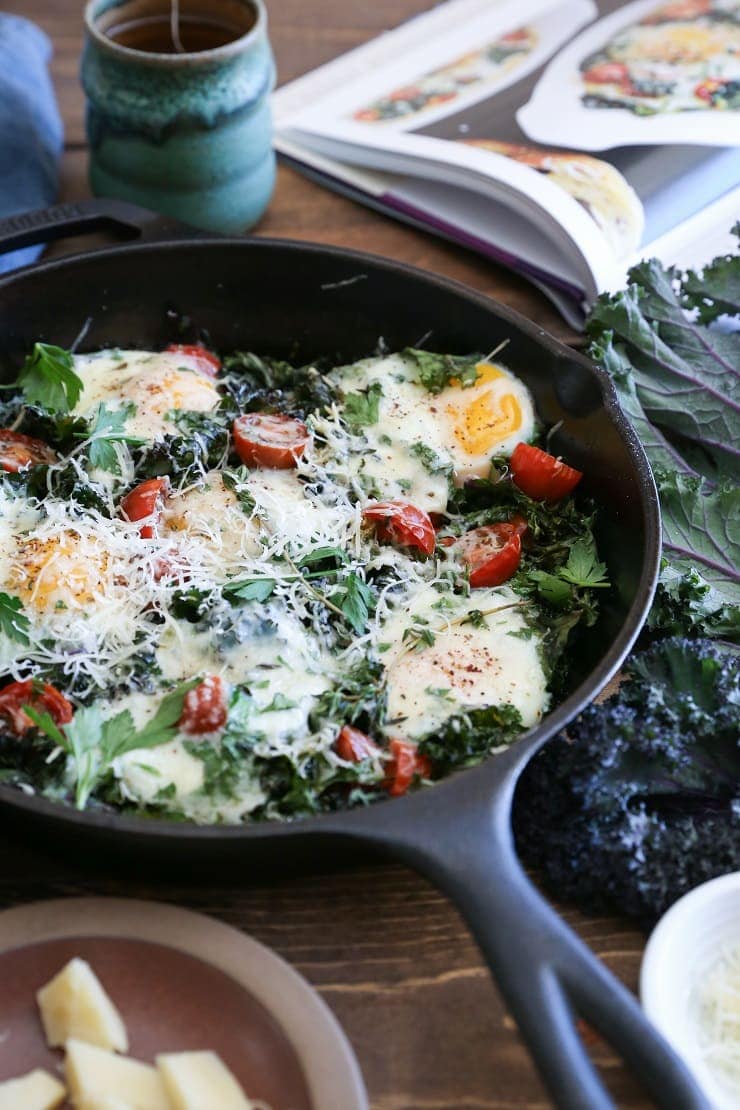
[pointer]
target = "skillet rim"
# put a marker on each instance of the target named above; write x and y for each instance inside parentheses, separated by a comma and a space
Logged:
(354, 821)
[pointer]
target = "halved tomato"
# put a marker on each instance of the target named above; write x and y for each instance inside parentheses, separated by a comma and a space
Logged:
(541, 476)
(43, 698)
(401, 523)
(607, 73)
(354, 745)
(18, 451)
(145, 501)
(405, 765)
(204, 708)
(492, 552)
(205, 360)
(272, 440)
(707, 90)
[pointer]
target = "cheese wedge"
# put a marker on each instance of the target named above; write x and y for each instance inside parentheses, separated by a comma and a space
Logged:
(74, 1005)
(200, 1081)
(36, 1091)
(101, 1080)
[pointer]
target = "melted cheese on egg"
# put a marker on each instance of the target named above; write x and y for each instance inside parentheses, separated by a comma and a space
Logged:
(421, 438)
(466, 667)
(155, 384)
(214, 529)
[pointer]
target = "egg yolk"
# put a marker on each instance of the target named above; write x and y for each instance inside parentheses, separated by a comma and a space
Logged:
(50, 574)
(489, 418)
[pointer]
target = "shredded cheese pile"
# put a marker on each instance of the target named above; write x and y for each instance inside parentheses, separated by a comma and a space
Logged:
(718, 1018)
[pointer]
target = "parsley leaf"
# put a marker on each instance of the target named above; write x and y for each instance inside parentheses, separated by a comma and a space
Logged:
(437, 371)
(13, 621)
(321, 554)
(48, 379)
(583, 567)
(355, 598)
(362, 408)
(107, 429)
(552, 588)
(582, 570)
(93, 742)
(254, 589)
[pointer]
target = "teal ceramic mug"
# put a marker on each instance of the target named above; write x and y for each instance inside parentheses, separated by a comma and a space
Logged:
(178, 107)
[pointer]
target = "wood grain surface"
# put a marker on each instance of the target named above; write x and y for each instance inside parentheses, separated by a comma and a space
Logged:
(388, 953)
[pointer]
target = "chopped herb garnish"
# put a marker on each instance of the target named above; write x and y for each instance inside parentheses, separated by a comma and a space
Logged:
(436, 371)
(362, 408)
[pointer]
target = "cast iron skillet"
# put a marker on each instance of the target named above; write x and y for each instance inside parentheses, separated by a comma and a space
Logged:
(302, 301)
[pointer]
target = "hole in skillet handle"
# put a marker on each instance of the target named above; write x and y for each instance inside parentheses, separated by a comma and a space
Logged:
(114, 219)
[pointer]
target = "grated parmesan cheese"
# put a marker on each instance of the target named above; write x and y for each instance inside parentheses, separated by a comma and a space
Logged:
(716, 1005)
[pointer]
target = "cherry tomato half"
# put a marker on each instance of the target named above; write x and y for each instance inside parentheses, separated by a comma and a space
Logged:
(271, 440)
(404, 766)
(707, 90)
(145, 501)
(204, 707)
(44, 699)
(541, 476)
(401, 523)
(353, 745)
(18, 451)
(492, 552)
(607, 73)
(205, 361)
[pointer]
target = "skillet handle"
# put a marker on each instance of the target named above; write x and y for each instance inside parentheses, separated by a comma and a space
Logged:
(62, 221)
(546, 974)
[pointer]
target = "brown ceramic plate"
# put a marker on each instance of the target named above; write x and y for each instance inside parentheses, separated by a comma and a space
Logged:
(181, 981)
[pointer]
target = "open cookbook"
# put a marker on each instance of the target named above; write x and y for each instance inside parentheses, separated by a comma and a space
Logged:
(566, 139)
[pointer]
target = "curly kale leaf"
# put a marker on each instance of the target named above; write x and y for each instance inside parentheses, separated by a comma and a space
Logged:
(716, 290)
(701, 545)
(60, 430)
(641, 800)
(686, 374)
(467, 738)
(201, 445)
(679, 382)
(256, 384)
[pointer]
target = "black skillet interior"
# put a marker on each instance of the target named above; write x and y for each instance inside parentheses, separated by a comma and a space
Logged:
(303, 302)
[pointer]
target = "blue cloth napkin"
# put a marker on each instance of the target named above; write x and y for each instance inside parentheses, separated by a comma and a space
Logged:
(31, 130)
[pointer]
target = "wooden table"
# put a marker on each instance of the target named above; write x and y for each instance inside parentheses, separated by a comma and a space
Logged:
(388, 953)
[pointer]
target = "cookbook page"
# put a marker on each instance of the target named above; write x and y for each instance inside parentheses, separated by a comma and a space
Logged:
(457, 92)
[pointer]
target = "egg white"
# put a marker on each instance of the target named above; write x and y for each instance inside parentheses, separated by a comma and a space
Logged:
(422, 440)
(154, 383)
(466, 667)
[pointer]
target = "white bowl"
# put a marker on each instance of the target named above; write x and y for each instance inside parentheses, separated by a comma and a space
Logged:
(681, 950)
